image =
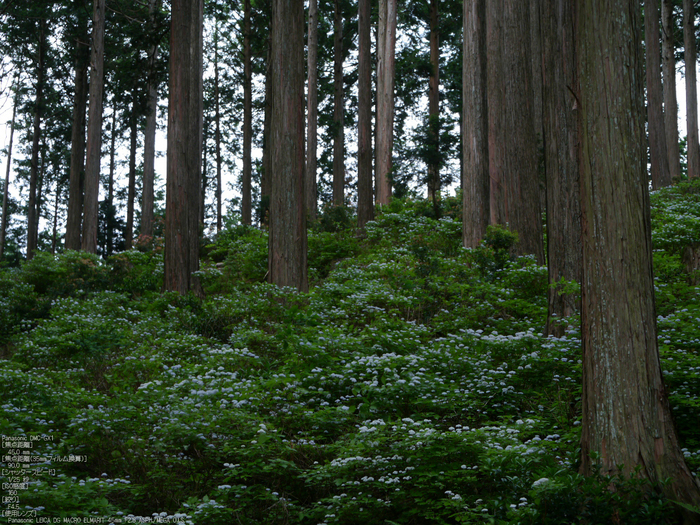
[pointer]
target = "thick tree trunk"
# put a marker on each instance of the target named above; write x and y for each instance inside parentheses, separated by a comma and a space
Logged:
(536, 37)
(77, 155)
(475, 134)
(338, 110)
(386, 48)
(32, 218)
(564, 249)
(217, 132)
(287, 240)
(184, 148)
(626, 415)
(94, 139)
(660, 174)
(670, 102)
(131, 193)
(496, 100)
(434, 105)
(246, 190)
(109, 227)
(6, 187)
(149, 139)
(691, 90)
(312, 124)
(365, 201)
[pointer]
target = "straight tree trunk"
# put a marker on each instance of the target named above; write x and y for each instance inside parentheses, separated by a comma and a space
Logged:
(338, 110)
(660, 174)
(94, 139)
(287, 239)
(185, 110)
(536, 37)
(109, 227)
(131, 193)
(386, 48)
(204, 178)
(54, 235)
(149, 139)
(561, 155)
(365, 201)
(266, 175)
(246, 198)
(691, 91)
(32, 218)
(475, 134)
(217, 131)
(312, 123)
(434, 105)
(6, 187)
(670, 102)
(77, 155)
(626, 415)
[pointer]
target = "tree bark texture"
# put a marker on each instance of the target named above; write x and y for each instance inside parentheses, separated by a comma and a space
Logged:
(338, 109)
(365, 197)
(6, 187)
(434, 104)
(217, 132)
(149, 139)
(561, 149)
(668, 55)
(246, 190)
(287, 238)
(32, 217)
(475, 130)
(131, 192)
(77, 154)
(266, 175)
(626, 415)
(184, 148)
(312, 124)
(496, 101)
(386, 49)
(658, 152)
(691, 91)
(110, 185)
(94, 137)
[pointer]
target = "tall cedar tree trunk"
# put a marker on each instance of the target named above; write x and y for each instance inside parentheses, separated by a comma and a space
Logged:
(77, 154)
(475, 132)
(365, 201)
(54, 234)
(184, 148)
(668, 54)
(561, 155)
(94, 139)
(149, 139)
(217, 131)
(691, 91)
(6, 188)
(204, 178)
(266, 175)
(32, 218)
(312, 124)
(109, 227)
(434, 106)
(513, 161)
(131, 193)
(626, 414)
(658, 152)
(386, 59)
(537, 96)
(287, 240)
(246, 197)
(338, 109)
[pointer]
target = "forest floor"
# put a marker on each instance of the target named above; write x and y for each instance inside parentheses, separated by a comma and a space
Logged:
(412, 384)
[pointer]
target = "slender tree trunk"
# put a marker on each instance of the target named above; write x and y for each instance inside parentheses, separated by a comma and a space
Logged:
(185, 110)
(434, 105)
(312, 123)
(217, 131)
(205, 178)
(660, 175)
(109, 227)
(561, 155)
(338, 110)
(246, 198)
(32, 219)
(6, 188)
(669, 86)
(475, 135)
(94, 140)
(77, 156)
(54, 234)
(622, 383)
(266, 175)
(287, 240)
(365, 201)
(386, 47)
(131, 194)
(149, 139)
(691, 91)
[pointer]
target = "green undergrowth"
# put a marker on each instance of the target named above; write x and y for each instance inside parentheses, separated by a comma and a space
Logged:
(411, 385)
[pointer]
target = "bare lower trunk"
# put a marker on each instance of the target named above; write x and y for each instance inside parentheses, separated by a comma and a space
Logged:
(6, 188)
(266, 175)
(131, 194)
(365, 202)
(217, 132)
(312, 124)
(691, 91)
(246, 190)
(434, 106)
(670, 102)
(386, 46)
(110, 186)
(338, 111)
(495, 90)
